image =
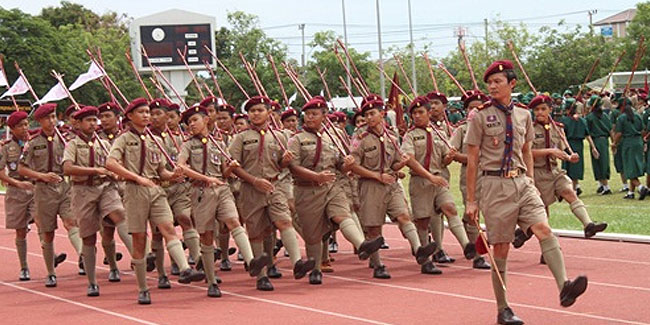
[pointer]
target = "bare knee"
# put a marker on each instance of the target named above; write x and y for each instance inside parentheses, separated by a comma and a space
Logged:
(373, 232)
(231, 223)
(69, 223)
(184, 221)
(403, 218)
(117, 216)
(283, 224)
(139, 243)
(207, 237)
(501, 250)
(90, 240)
(422, 224)
(449, 209)
(541, 230)
(21, 233)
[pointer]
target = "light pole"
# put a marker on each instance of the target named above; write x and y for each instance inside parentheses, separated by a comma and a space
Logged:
(381, 60)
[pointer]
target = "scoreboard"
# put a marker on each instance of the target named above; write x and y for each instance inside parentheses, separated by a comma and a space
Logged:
(162, 41)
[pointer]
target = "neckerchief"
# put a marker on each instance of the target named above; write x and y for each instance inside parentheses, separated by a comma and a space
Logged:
(262, 131)
(383, 149)
(427, 155)
(143, 148)
(507, 152)
(547, 138)
(319, 146)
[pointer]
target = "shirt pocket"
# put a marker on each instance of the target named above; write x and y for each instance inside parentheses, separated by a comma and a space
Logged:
(496, 136)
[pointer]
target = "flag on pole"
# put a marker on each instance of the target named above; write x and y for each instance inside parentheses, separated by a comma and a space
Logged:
(395, 101)
(56, 93)
(93, 73)
(19, 87)
(3, 79)
(292, 98)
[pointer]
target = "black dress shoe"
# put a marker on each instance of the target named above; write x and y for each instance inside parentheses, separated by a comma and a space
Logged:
(118, 257)
(82, 269)
(508, 317)
(369, 246)
(442, 258)
(624, 189)
(593, 228)
(190, 275)
(629, 196)
(217, 278)
(423, 252)
(114, 276)
(430, 268)
(151, 262)
(50, 281)
(572, 290)
(175, 270)
(481, 264)
(520, 238)
(301, 268)
(144, 298)
(643, 192)
(24, 275)
(58, 259)
(225, 265)
(600, 189)
(213, 291)
(384, 246)
(315, 277)
(578, 191)
(380, 272)
(93, 290)
(273, 272)
(606, 192)
(469, 251)
(278, 246)
(333, 247)
(257, 264)
(264, 284)
(163, 282)
(231, 251)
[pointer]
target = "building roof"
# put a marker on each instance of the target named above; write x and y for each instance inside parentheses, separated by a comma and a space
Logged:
(621, 17)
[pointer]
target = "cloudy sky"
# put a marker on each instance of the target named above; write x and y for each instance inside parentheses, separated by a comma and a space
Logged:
(434, 22)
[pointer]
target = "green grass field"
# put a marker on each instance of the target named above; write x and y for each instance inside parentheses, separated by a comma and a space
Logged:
(623, 216)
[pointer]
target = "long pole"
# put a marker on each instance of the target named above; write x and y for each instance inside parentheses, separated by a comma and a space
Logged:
(511, 46)
(227, 72)
(347, 89)
(189, 70)
(345, 38)
(401, 68)
(463, 51)
(433, 77)
(413, 73)
(460, 87)
(13, 100)
(214, 78)
(277, 77)
(381, 59)
(354, 66)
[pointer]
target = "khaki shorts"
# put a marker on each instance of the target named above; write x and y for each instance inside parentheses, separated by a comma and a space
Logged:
(426, 199)
(507, 202)
(178, 197)
(19, 208)
(285, 185)
(316, 205)
(144, 204)
(259, 210)
(550, 184)
(91, 204)
(210, 203)
(51, 200)
(379, 199)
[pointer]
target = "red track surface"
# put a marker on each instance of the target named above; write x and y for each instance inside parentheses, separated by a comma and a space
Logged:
(618, 291)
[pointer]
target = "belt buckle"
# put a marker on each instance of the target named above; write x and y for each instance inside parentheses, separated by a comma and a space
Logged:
(512, 173)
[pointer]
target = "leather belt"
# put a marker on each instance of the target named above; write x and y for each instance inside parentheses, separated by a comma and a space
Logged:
(511, 174)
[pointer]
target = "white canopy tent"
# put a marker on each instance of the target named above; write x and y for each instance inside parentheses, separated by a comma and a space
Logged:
(619, 80)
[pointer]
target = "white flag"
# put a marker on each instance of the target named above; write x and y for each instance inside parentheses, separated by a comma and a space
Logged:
(292, 98)
(18, 88)
(3, 79)
(56, 93)
(93, 73)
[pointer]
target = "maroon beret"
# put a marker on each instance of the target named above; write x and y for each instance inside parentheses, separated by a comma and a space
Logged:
(238, 116)
(138, 102)
(159, 103)
(539, 100)
(371, 97)
(418, 102)
(473, 95)
(174, 107)
(371, 104)
(340, 116)
(256, 100)
(16, 117)
(71, 109)
(85, 111)
(288, 113)
(44, 110)
(224, 107)
(196, 109)
(210, 100)
(109, 107)
(437, 95)
(315, 102)
(496, 67)
(275, 105)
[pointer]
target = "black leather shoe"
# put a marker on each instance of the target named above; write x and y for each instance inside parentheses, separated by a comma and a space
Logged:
(384, 246)
(643, 192)
(578, 191)
(93, 290)
(257, 264)
(213, 291)
(190, 275)
(264, 284)
(442, 258)
(151, 262)
(60, 258)
(430, 268)
(423, 252)
(118, 257)
(315, 277)
(225, 265)
(600, 189)
(278, 246)
(593, 228)
(469, 251)
(520, 238)
(24, 275)
(629, 196)
(273, 272)
(606, 192)
(481, 264)
(380, 272)
(333, 247)
(82, 269)
(217, 278)
(114, 276)
(369, 246)
(508, 317)
(301, 268)
(175, 270)
(163, 282)
(50, 281)
(572, 290)
(144, 298)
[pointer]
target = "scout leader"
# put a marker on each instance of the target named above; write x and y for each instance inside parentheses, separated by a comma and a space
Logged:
(178, 194)
(202, 160)
(94, 196)
(471, 100)
(498, 141)
(136, 157)
(551, 181)
(429, 190)
(377, 160)
(263, 206)
(320, 200)
(42, 161)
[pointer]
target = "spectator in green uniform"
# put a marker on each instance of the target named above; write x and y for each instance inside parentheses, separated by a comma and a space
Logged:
(627, 139)
(618, 155)
(576, 130)
(599, 126)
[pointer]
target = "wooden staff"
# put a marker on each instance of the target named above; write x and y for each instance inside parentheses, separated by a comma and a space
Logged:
(321, 75)
(327, 119)
(303, 92)
(562, 135)
(250, 75)
(433, 77)
(444, 139)
(227, 72)
(489, 253)
(253, 68)
(609, 75)
(137, 75)
(394, 84)
(345, 86)
(189, 70)
(347, 72)
(463, 51)
(511, 46)
(214, 79)
(277, 77)
(637, 58)
(401, 68)
(458, 85)
(354, 66)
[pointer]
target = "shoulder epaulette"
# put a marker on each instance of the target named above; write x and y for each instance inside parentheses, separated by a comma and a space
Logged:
(6, 141)
(484, 105)
(560, 124)
(461, 122)
(521, 105)
(363, 134)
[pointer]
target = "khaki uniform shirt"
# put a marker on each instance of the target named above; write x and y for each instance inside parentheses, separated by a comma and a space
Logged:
(10, 156)
(78, 152)
(127, 149)
(44, 154)
(260, 162)
(415, 143)
(203, 157)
